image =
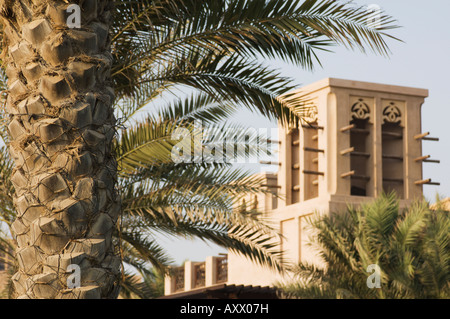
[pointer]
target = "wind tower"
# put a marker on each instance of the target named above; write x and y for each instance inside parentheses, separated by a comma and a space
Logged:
(359, 140)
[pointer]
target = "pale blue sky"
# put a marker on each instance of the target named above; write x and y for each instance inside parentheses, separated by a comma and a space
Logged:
(423, 61)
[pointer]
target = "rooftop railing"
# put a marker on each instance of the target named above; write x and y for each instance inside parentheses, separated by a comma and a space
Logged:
(195, 275)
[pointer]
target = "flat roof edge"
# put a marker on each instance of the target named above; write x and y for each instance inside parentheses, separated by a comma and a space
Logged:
(364, 86)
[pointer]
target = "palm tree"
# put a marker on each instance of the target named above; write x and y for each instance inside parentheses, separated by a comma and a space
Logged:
(410, 247)
(179, 200)
(148, 286)
(61, 93)
(186, 199)
(60, 99)
(211, 47)
(216, 46)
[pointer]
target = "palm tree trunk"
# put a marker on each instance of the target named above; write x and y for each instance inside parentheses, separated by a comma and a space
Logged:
(61, 127)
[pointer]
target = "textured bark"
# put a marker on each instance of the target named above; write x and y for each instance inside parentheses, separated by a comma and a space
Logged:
(61, 126)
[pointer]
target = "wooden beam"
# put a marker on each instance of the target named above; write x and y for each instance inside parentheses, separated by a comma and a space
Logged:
(313, 173)
(435, 139)
(360, 154)
(393, 180)
(434, 183)
(273, 141)
(393, 157)
(347, 151)
(426, 182)
(421, 158)
(347, 128)
(348, 174)
(314, 127)
(360, 131)
(431, 161)
(422, 182)
(424, 136)
(269, 163)
(310, 149)
(392, 134)
(421, 136)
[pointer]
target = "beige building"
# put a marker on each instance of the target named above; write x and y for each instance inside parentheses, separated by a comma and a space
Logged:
(359, 140)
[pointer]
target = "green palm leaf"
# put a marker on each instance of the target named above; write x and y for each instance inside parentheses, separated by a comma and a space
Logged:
(411, 248)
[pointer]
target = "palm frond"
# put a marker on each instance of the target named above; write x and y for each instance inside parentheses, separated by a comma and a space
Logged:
(166, 142)
(197, 107)
(410, 247)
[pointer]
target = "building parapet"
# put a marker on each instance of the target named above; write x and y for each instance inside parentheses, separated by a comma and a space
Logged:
(194, 275)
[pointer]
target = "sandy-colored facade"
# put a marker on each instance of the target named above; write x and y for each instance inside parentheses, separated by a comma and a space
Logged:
(358, 140)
